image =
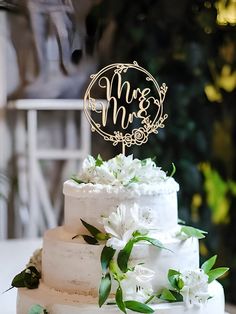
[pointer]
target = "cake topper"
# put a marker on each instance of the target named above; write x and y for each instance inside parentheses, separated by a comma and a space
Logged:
(133, 112)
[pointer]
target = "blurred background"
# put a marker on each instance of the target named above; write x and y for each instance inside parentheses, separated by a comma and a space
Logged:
(48, 49)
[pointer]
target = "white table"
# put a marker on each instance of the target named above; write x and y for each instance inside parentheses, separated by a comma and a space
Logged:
(14, 255)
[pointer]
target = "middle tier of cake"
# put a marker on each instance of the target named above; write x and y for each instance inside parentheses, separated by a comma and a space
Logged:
(82, 273)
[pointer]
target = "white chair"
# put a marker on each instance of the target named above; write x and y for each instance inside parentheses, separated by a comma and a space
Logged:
(34, 210)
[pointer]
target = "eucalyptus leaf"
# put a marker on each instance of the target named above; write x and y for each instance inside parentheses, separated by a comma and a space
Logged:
(119, 299)
(193, 232)
(138, 307)
(106, 256)
(104, 289)
(93, 230)
(90, 240)
(207, 266)
(216, 273)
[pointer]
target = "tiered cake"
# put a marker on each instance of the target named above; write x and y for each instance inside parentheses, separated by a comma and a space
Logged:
(109, 205)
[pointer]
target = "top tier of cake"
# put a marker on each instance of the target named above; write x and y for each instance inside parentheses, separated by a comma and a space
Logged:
(103, 186)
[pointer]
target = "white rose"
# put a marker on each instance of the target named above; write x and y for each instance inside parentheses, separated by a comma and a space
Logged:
(195, 290)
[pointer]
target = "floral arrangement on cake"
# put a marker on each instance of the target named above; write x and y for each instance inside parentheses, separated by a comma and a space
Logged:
(121, 170)
(124, 229)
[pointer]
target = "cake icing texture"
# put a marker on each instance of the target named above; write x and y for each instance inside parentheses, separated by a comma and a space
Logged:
(121, 248)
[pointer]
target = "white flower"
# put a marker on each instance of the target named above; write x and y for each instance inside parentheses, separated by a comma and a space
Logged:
(195, 290)
(121, 170)
(121, 224)
(137, 284)
(36, 260)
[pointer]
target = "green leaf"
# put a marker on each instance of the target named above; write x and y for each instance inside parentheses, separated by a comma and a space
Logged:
(175, 280)
(28, 278)
(93, 230)
(167, 295)
(124, 255)
(31, 278)
(90, 240)
(173, 170)
(77, 180)
(152, 241)
(216, 273)
(106, 256)
(119, 299)
(104, 289)
(177, 295)
(37, 309)
(134, 180)
(98, 161)
(138, 307)
(193, 232)
(19, 280)
(207, 266)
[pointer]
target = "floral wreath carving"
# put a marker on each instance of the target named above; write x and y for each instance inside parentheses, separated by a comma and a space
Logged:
(140, 135)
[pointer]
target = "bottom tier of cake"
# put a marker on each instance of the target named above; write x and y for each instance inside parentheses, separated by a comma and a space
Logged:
(62, 303)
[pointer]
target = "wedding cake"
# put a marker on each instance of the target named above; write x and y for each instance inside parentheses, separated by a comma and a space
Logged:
(121, 249)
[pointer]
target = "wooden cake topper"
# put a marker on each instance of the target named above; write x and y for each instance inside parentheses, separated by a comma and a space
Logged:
(133, 112)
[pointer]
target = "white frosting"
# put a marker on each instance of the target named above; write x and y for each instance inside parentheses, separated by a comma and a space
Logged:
(91, 202)
(74, 266)
(61, 303)
(71, 269)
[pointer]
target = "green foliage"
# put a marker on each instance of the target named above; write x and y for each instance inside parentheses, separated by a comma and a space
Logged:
(170, 296)
(213, 274)
(104, 289)
(28, 278)
(99, 161)
(175, 280)
(207, 266)
(138, 307)
(216, 273)
(77, 180)
(193, 232)
(119, 299)
(106, 256)
(97, 235)
(124, 254)
(37, 309)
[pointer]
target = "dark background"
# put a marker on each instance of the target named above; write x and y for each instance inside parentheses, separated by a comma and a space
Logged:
(191, 46)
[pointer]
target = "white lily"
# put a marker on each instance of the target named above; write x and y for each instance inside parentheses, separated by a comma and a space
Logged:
(121, 224)
(121, 170)
(195, 290)
(137, 284)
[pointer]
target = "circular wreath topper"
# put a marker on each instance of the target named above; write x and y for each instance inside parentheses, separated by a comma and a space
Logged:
(145, 110)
